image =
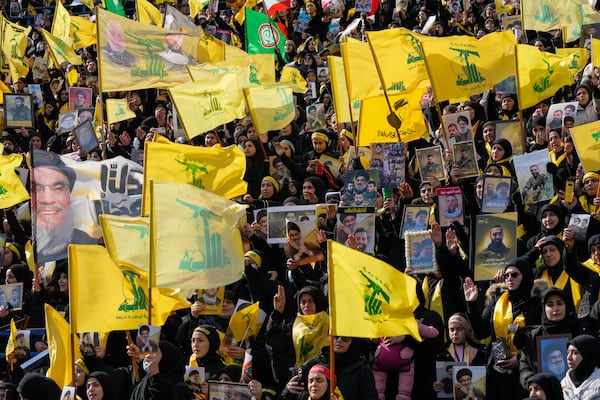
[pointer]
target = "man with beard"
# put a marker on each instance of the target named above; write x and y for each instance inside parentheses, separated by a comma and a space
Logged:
(54, 228)
(535, 185)
(465, 389)
(362, 179)
(296, 248)
(362, 239)
(346, 227)
(554, 360)
(496, 249)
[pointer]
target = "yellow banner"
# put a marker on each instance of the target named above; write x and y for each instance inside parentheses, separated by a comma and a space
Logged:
(596, 52)
(12, 190)
(83, 32)
(118, 110)
(60, 51)
(587, 142)
(216, 169)
(577, 56)
(14, 44)
(341, 101)
(271, 108)
(293, 77)
(61, 24)
(195, 243)
(540, 15)
(244, 323)
(471, 65)
(380, 298)
(59, 347)
(361, 73)
(127, 239)
(206, 71)
(133, 55)
(148, 14)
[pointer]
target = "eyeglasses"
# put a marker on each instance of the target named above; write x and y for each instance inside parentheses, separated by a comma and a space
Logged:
(513, 275)
(342, 338)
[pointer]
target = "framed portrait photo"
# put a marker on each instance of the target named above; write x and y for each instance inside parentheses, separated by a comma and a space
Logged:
(469, 382)
(450, 202)
(12, 294)
(89, 341)
(420, 252)
(86, 137)
(444, 374)
(80, 97)
(67, 121)
(228, 390)
(495, 243)
(19, 110)
(430, 163)
(415, 219)
(496, 194)
(193, 378)
(68, 393)
(552, 354)
(465, 164)
(535, 182)
(147, 338)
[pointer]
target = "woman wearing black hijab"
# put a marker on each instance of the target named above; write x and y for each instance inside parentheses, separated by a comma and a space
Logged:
(545, 387)
(583, 358)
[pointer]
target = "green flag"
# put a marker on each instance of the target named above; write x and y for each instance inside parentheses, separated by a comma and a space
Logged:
(115, 6)
(262, 35)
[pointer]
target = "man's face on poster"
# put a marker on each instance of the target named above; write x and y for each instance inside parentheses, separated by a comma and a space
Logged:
(53, 197)
(496, 235)
(556, 362)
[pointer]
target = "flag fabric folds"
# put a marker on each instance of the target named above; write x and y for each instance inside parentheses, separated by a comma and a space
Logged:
(217, 169)
(472, 65)
(276, 5)
(262, 35)
(118, 110)
(577, 57)
(60, 51)
(206, 71)
(61, 23)
(83, 32)
(380, 298)
(11, 344)
(202, 106)
(123, 291)
(362, 79)
(292, 77)
(587, 142)
(175, 20)
(194, 240)
(12, 190)
(540, 15)
(147, 13)
(596, 52)
(14, 44)
(244, 323)
(133, 55)
(127, 239)
(59, 347)
(271, 108)
(540, 74)
(339, 89)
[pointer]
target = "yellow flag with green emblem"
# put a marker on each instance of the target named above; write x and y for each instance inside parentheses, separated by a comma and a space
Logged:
(12, 190)
(540, 74)
(206, 71)
(341, 101)
(217, 169)
(194, 240)
(83, 32)
(271, 108)
(14, 45)
(196, 6)
(471, 65)
(380, 298)
(59, 347)
(60, 51)
(118, 110)
(94, 275)
(362, 80)
(127, 239)
(61, 24)
(577, 57)
(202, 106)
(262, 69)
(540, 15)
(586, 138)
(147, 13)
(291, 76)
(210, 49)
(244, 322)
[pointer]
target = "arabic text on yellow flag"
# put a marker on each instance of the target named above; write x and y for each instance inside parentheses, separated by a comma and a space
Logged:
(59, 347)
(12, 339)
(83, 32)
(202, 106)
(94, 275)
(61, 24)
(118, 110)
(127, 239)
(587, 142)
(244, 323)
(472, 65)
(194, 240)
(399, 55)
(381, 298)
(541, 74)
(362, 79)
(374, 123)
(147, 13)
(60, 51)
(577, 57)
(133, 55)
(540, 15)
(206, 71)
(271, 108)
(339, 89)
(12, 190)
(293, 77)
(217, 169)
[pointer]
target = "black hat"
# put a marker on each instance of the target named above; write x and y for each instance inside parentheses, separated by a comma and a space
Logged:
(52, 160)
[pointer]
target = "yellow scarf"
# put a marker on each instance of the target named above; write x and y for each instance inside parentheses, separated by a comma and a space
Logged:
(432, 214)
(583, 200)
(503, 319)
(466, 354)
(310, 333)
(433, 303)
(561, 283)
(557, 160)
(589, 264)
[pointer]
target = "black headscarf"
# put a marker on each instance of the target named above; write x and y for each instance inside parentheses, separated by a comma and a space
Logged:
(549, 383)
(555, 209)
(35, 386)
(317, 296)
(520, 295)
(567, 325)
(556, 270)
(107, 382)
(505, 144)
(589, 348)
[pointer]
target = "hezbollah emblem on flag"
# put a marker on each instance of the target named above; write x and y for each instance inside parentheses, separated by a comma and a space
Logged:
(374, 296)
(269, 37)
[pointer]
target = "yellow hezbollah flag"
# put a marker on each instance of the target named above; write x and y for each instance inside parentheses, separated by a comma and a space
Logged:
(29, 256)
(194, 240)
(61, 24)
(133, 55)
(127, 239)
(377, 125)
(83, 32)
(3, 89)
(59, 347)
(60, 51)
(400, 58)
(72, 77)
(202, 106)
(206, 71)
(196, 6)
(380, 298)
(94, 275)
(12, 190)
(361, 73)
(540, 74)
(341, 101)
(540, 15)
(596, 52)
(577, 56)
(118, 110)
(17, 69)
(570, 15)
(89, 4)
(12, 339)
(210, 49)
(14, 42)
(217, 169)
(244, 323)
(147, 13)
(587, 142)
(271, 108)
(471, 65)
(293, 77)
(262, 69)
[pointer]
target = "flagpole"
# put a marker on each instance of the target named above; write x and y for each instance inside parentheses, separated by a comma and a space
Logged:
(437, 104)
(151, 270)
(136, 372)
(273, 31)
(331, 366)
(518, 83)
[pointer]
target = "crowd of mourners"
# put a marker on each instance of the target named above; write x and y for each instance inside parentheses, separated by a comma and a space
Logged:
(550, 288)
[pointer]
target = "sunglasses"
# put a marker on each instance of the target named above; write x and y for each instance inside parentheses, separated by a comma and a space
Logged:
(342, 338)
(513, 275)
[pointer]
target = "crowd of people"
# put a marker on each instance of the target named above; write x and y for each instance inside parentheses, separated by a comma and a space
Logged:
(499, 328)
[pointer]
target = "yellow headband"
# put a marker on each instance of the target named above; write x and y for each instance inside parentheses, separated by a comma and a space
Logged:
(81, 364)
(320, 135)
(593, 175)
(348, 134)
(14, 249)
(254, 257)
(273, 181)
